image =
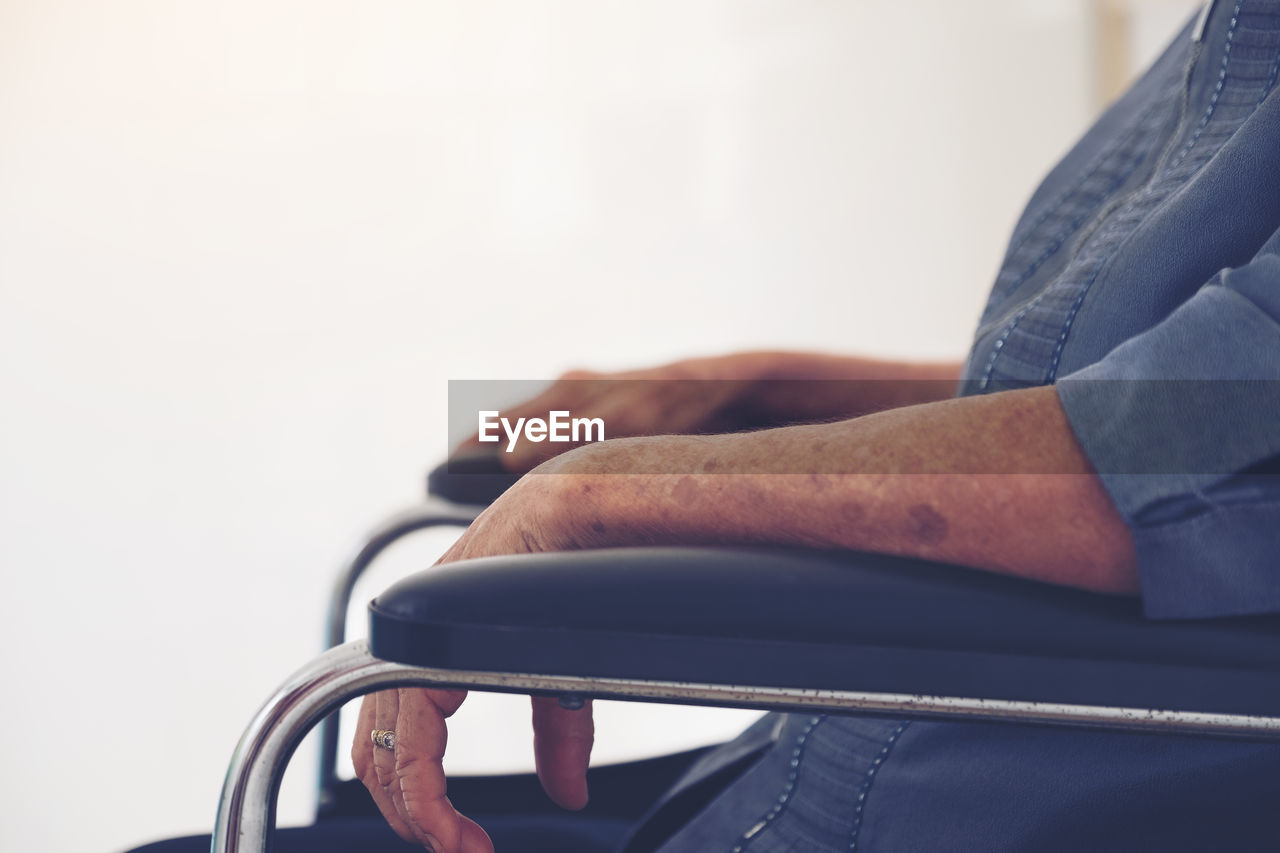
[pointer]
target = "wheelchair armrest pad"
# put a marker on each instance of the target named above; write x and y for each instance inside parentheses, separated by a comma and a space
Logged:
(475, 479)
(820, 619)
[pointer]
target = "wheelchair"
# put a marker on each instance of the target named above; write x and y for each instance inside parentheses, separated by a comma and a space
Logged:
(844, 633)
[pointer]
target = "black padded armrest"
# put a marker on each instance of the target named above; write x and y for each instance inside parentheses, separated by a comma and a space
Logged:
(476, 479)
(826, 620)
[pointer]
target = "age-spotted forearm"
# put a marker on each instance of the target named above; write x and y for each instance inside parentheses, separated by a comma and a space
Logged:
(995, 482)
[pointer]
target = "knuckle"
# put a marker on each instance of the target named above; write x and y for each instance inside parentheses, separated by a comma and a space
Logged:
(407, 765)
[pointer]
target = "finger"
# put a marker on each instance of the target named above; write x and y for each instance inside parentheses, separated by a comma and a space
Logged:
(387, 716)
(362, 758)
(421, 737)
(562, 741)
(386, 704)
(474, 839)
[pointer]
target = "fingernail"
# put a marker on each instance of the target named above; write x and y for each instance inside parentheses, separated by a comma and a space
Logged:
(571, 701)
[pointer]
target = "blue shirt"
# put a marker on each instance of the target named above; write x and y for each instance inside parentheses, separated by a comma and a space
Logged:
(1144, 281)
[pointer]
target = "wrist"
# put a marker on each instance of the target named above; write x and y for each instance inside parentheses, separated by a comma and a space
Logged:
(572, 493)
(608, 494)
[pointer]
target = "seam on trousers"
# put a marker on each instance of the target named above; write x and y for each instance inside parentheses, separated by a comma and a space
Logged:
(871, 777)
(788, 789)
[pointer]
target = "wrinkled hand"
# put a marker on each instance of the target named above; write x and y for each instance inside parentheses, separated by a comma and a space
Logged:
(693, 396)
(408, 783)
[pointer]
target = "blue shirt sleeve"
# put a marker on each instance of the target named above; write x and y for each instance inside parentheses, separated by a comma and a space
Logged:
(1182, 424)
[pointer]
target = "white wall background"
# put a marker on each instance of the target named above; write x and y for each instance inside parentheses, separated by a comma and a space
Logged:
(244, 245)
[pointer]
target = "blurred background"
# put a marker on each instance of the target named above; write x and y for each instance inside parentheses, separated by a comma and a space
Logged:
(244, 245)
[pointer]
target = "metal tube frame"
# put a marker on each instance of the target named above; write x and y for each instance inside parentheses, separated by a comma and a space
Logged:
(434, 513)
(246, 812)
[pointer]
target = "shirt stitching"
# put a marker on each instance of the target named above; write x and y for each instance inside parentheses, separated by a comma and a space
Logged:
(870, 777)
(784, 798)
(1004, 336)
(1271, 81)
(1060, 345)
(1166, 169)
(1057, 242)
(1054, 204)
(1217, 89)
(1116, 147)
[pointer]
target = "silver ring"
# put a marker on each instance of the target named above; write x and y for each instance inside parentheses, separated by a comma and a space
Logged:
(383, 739)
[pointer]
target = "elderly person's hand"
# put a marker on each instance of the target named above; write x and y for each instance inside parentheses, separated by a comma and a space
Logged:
(746, 390)
(692, 396)
(407, 781)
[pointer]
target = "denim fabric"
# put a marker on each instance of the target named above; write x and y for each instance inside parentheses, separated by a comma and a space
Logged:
(1152, 251)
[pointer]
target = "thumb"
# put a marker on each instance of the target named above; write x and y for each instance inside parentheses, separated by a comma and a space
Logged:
(562, 742)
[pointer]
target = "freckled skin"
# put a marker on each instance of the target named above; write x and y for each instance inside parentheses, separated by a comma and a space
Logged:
(977, 481)
(685, 491)
(852, 513)
(926, 525)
